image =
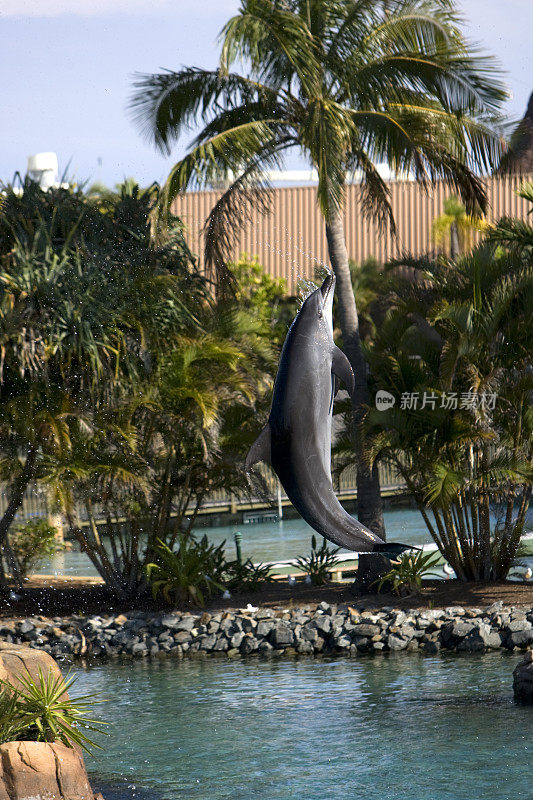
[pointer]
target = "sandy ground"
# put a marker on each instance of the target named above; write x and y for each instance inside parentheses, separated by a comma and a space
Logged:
(52, 596)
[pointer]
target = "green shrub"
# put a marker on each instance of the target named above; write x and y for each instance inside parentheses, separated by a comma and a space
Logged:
(405, 575)
(12, 726)
(191, 573)
(40, 711)
(247, 577)
(319, 564)
(32, 542)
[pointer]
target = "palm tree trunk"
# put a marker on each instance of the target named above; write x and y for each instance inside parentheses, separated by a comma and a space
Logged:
(15, 501)
(369, 503)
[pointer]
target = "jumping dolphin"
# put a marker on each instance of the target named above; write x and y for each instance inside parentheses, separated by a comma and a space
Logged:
(296, 440)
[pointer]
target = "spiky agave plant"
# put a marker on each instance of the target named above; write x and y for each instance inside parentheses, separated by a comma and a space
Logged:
(43, 712)
(406, 574)
(320, 562)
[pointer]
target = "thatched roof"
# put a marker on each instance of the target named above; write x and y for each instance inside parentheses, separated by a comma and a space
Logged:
(519, 157)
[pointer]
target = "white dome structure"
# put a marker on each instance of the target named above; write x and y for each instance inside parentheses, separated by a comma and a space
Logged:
(43, 169)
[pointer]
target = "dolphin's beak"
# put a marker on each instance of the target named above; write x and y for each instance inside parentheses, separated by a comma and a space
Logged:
(327, 286)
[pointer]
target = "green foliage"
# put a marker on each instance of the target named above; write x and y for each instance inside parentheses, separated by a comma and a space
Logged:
(40, 711)
(192, 573)
(455, 227)
(246, 577)
(460, 332)
(265, 297)
(32, 542)
(12, 725)
(405, 575)
(127, 388)
(320, 562)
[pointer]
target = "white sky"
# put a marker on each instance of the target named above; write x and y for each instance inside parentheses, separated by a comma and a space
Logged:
(66, 69)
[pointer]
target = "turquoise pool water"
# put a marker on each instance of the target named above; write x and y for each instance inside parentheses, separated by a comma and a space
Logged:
(267, 541)
(388, 728)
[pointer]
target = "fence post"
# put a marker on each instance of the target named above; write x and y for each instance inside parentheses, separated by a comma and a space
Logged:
(237, 537)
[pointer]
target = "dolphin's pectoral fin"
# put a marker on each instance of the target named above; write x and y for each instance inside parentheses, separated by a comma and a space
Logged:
(260, 450)
(340, 366)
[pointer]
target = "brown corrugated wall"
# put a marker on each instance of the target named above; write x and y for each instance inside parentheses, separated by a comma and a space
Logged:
(290, 241)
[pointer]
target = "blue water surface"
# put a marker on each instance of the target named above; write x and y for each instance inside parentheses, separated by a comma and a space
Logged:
(397, 727)
(267, 541)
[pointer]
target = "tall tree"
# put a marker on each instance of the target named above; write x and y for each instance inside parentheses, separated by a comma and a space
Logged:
(348, 83)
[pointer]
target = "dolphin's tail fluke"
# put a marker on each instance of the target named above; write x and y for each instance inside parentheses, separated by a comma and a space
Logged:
(392, 549)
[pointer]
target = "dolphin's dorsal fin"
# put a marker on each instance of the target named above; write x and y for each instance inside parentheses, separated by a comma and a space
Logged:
(260, 450)
(340, 366)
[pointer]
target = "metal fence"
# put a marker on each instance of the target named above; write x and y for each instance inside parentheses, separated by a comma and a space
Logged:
(35, 503)
(290, 241)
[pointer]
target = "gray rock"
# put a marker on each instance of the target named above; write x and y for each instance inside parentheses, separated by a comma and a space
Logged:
(520, 638)
(342, 642)
(491, 638)
(518, 625)
(228, 625)
(186, 623)
(364, 629)
(304, 647)
(281, 635)
(264, 613)
(182, 636)
(523, 680)
(208, 641)
(455, 611)
(236, 639)
(248, 645)
(264, 627)
(309, 634)
(395, 643)
(323, 624)
(171, 621)
(248, 625)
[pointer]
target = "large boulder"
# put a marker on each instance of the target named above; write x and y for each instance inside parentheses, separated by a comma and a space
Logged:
(523, 680)
(42, 771)
(38, 770)
(16, 660)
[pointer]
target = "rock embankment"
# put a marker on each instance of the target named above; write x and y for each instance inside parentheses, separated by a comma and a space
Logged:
(310, 629)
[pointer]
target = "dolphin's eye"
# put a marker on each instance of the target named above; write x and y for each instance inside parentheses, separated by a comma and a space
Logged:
(320, 315)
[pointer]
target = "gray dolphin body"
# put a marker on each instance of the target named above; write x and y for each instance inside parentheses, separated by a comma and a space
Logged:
(296, 440)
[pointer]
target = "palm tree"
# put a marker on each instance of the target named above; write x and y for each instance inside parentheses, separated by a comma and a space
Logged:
(348, 83)
(460, 432)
